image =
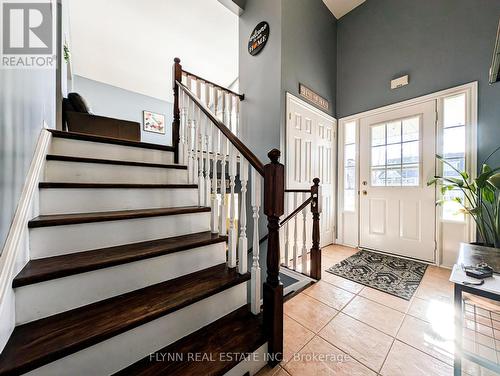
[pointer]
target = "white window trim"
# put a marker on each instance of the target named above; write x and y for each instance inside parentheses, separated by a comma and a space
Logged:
(471, 91)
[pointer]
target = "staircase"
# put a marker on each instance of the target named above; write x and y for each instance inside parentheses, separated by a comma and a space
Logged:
(123, 265)
(138, 264)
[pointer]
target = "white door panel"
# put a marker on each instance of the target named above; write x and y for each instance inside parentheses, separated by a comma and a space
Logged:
(311, 153)
(397, 210)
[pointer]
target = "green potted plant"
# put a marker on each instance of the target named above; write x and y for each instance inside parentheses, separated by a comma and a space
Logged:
(481, 198)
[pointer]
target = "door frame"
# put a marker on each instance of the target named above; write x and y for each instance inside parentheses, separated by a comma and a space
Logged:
(471, 91)
(291, 97)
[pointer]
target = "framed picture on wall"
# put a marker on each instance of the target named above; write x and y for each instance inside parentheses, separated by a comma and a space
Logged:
(153, 122)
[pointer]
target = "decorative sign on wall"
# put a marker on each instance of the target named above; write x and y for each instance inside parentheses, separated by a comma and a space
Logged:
(313, 97)
(258, 38)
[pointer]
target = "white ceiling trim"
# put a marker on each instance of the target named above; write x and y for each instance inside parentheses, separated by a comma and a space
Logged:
(340, 8)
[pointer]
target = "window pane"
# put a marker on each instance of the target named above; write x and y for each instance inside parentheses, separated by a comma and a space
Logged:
(378, 177)
(393, 176)
(394, 132)
(454, 111)
(378, 156)
(454, 142)
(350, 155)
(349, 200)
(458, 163)
(349, 178)
(410, 176)
(394, 154)
(451, 208)
(411, 152)
(350, 133)
(378, 135)
(411, 129)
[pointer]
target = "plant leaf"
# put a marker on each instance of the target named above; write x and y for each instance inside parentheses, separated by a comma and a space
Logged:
(494, 181)
(488, 195)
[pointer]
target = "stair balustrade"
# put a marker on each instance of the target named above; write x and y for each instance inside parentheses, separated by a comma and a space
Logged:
(205, 137)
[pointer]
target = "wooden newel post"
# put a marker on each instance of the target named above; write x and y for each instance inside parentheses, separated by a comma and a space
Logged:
(176, 76)
(274, 202)
(315, 250)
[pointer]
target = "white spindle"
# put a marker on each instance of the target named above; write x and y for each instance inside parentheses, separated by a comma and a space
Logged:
(295, 233)
(256, 278)
(237, 117)
(207, 136)
(182, 125)
(287, 234)
(233, 231)
(214, 219)
(199, 147)
(223, 209)
(243, 242)
(304, 236)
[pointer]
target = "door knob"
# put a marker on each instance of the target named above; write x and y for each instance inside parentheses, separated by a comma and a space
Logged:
(365, 193)
(365, 182)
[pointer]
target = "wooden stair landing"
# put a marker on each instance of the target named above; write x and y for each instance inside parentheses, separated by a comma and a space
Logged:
(240, 332)
(73, 219)
(61, 266)
(40, 342)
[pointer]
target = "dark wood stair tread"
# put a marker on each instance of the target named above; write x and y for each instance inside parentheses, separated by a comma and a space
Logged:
(62, 266)
(40, 342)
(67, 158)
(71, 219)
(238, 333)
(109, 140)
(59, 185)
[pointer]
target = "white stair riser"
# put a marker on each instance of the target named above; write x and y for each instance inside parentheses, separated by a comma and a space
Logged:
(87, 149)
(252, 365)
(48, 298)
(120, 351)
(76, 200)
(79, 172)
(60, 240)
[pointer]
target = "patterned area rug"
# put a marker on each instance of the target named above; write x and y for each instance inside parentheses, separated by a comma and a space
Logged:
(393, 275)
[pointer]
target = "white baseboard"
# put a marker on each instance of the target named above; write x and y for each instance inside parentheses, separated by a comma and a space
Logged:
(15, 253)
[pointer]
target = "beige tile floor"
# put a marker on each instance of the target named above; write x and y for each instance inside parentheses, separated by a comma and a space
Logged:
(338, 327)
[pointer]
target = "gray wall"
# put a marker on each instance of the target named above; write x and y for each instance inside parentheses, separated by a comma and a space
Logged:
(112, 101)
(439, 43)
(27, 99)
(309, 48)
(260, 78)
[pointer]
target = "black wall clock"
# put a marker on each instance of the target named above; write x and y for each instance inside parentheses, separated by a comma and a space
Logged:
(258, 38)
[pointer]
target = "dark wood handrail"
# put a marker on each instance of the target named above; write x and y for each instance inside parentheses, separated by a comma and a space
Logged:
(296, 211)
(242, 148)
(241, 96)
(297, 190)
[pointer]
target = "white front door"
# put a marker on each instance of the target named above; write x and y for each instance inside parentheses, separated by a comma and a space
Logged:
(310, 153)
(397, 208)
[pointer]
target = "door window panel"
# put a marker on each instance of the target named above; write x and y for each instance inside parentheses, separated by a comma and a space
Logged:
(395, 153)
(350, 166)
(378, 135)
(411, 129)
(394, 132)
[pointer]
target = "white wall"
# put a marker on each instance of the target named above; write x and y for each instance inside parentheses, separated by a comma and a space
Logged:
(131, 44)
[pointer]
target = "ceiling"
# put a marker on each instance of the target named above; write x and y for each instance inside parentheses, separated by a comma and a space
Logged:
(340, 8)
(131, 44)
